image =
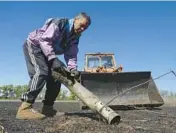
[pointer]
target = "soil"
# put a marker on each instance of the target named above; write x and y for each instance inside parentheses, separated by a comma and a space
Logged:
(156, 120)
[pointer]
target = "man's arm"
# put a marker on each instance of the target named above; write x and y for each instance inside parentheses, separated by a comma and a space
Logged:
(71, 55)
(46, 41)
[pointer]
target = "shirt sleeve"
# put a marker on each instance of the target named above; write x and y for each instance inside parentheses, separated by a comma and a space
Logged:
(71, 54)
(46, 41)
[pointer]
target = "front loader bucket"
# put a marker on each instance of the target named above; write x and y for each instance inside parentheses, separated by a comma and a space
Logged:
(108, 85)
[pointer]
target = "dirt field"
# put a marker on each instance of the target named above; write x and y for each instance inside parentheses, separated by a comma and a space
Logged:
(158, 120)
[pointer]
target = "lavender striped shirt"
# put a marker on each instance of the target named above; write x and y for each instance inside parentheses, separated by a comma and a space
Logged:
(56, 37)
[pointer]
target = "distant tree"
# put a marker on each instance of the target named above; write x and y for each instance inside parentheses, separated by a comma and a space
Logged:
(171, 94)
(72, 96)
(62, 95)
(19, 89)
(164, 93)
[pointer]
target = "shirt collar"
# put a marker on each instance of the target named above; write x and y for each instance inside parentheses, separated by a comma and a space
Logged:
(70, 24)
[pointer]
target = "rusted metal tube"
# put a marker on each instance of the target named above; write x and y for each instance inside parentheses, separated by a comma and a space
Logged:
(89, 99)
(94, 103)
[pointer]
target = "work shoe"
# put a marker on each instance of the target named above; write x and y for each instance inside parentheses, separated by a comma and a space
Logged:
(26, 112)
(49, 111)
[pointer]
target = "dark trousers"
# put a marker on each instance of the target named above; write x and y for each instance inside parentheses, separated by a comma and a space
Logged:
(39, 71)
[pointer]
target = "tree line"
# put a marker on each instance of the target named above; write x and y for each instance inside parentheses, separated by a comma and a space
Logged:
(15, 92)
(64, 94)
(167, 94)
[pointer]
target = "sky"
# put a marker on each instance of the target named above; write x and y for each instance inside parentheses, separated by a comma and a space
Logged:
(140, 34)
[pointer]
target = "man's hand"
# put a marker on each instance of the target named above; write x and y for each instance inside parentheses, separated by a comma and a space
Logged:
(75, 73)
(57, 65)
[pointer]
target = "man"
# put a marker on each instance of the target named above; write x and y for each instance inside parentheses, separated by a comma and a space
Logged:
(56, 37)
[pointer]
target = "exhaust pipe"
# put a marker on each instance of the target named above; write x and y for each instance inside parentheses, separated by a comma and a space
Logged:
(87, 97)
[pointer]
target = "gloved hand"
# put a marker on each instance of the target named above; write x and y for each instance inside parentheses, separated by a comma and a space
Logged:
(57, 65)
(75, 73)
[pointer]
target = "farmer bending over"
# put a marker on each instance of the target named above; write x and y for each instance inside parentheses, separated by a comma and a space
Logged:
(57, 36)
